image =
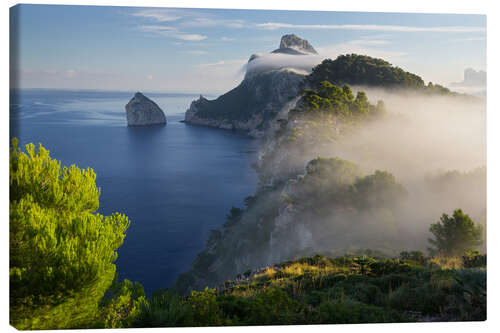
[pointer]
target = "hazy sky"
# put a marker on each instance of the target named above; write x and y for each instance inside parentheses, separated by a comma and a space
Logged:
(204, 50)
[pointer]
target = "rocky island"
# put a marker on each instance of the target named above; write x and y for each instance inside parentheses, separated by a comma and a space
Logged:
(141, 111)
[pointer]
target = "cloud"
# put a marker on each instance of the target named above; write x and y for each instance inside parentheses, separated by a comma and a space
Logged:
(372, 42)
(332, 51)
(226, 39)
(369, 27)
(70, 73)
(274, 61)
(189, 37)
(182, 20)
(232, 62)
(171, 32)
(203, 22)
(470, 39)
(196, 52)
(157, 28)
(160, 15)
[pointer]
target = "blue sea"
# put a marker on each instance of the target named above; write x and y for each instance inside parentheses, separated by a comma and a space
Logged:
(174, 182)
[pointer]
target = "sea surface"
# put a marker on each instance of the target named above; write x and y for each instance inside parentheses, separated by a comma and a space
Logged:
(174, 182)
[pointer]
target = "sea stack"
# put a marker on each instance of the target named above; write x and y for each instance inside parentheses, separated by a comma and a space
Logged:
(141, 111)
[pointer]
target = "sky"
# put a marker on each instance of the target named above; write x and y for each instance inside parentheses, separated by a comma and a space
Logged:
(205, 50)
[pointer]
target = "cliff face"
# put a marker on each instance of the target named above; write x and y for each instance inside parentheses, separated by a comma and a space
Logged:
(255, 104)
(249, 107)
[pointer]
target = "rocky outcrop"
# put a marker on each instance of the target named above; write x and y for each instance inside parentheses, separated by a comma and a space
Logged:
(259, 100)
(250, 107)
(141, 111)
(291, 44)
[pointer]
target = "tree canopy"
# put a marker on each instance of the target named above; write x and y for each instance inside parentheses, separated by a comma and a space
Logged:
(331, 99)
(454, 235)
(363, 70)
(357, 69)
(61, 250)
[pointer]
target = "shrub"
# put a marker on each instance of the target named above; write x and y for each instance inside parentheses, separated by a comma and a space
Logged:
(417, 256)
(204, 307)
(355, 313)
(472, 259)
(271, 307)
(162, 309)
(441, 262)
(468, 301)
(120, 307)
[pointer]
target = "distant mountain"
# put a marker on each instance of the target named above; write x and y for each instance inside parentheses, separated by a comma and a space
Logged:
(474, 83)
(472, 78)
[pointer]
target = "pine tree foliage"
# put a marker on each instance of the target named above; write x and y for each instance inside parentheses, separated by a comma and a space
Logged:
(61, 250)
(455, 235)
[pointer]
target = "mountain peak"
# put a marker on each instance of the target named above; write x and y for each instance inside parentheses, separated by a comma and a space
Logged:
(292, 44)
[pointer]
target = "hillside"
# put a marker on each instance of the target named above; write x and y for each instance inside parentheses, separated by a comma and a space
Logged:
(337, 290)
(286, 216)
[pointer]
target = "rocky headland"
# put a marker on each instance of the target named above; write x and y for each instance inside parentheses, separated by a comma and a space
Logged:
(262, 98)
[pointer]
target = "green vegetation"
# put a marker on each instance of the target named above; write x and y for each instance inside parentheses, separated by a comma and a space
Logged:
(455, 235)
(331, 99)
(333, 182)
(320, 117)
(356, 69)
(321, 290)
(61, 250)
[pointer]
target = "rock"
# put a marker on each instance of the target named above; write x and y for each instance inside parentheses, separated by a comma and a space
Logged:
(291, 44)
(141, 111)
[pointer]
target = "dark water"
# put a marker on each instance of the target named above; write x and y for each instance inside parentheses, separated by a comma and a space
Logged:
(174, 182)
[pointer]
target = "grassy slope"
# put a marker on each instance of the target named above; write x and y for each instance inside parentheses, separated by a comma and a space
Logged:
(320, 290)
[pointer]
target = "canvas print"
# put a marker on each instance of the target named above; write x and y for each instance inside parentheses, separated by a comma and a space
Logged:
(174, 167)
